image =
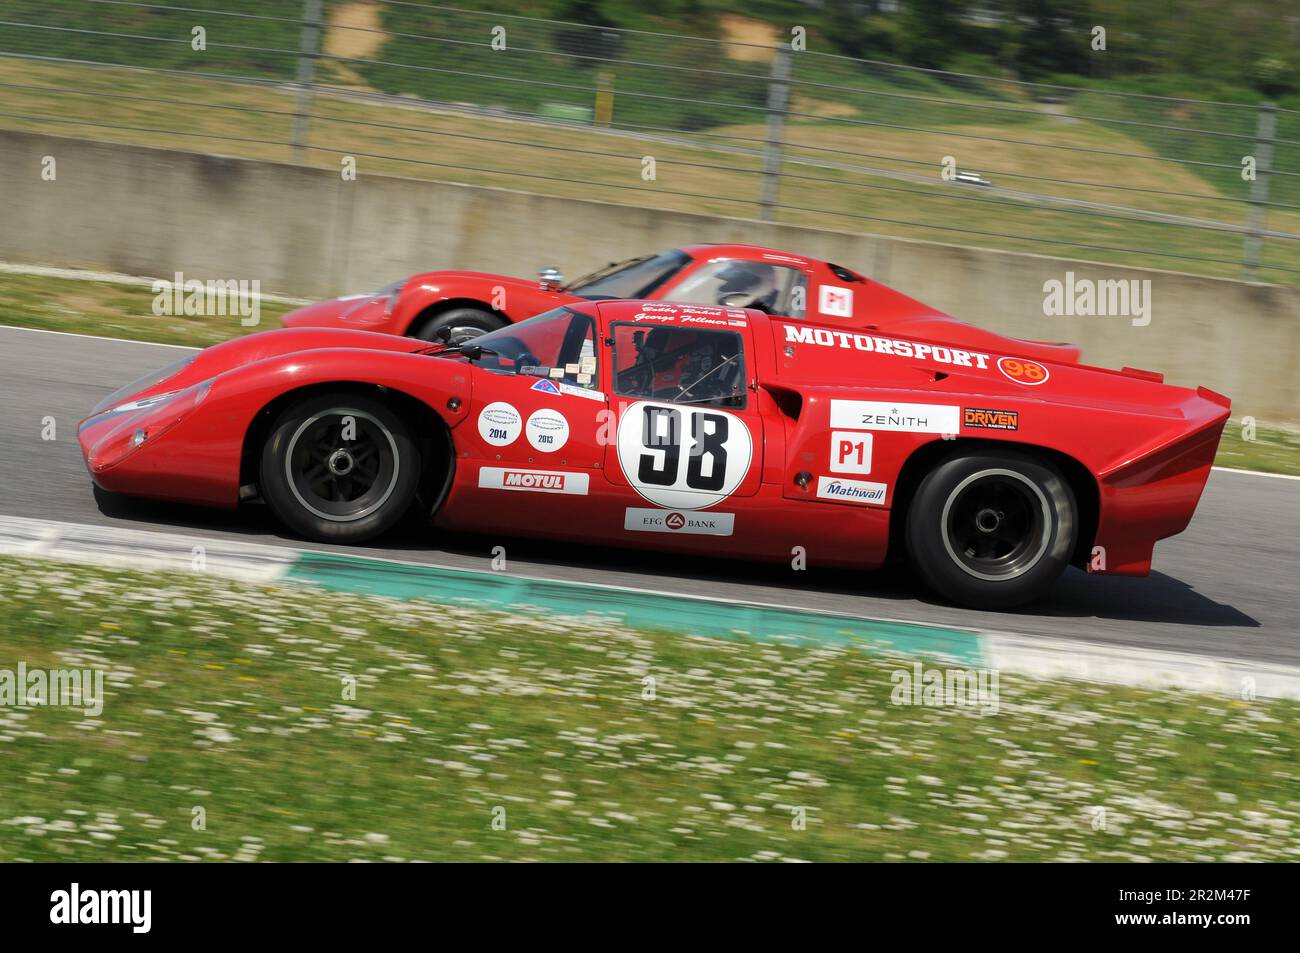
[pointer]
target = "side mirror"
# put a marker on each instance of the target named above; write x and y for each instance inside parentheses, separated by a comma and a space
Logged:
(550, 279)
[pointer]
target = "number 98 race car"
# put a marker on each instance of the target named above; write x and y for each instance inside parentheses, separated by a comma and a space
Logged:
(690, 429)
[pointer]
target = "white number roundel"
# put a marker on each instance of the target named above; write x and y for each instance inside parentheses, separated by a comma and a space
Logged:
(683, 458)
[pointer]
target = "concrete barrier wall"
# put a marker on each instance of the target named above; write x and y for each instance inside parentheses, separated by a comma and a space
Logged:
(309, 233)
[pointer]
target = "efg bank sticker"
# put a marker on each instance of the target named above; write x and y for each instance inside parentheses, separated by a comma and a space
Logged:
(499, 424)
(547, 430)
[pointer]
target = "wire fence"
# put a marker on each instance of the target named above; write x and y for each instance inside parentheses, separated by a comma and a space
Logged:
(758, 123)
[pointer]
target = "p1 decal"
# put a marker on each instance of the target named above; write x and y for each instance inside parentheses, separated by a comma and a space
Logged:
(683, 458)
(905, 418)
(851, 491)
(671, 521)
(500, 424)
(850, 451)
(547, 430)
(535, 481)
(837, 302)
(1022, 371)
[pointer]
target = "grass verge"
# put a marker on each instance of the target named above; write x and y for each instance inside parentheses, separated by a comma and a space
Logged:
(229, 697)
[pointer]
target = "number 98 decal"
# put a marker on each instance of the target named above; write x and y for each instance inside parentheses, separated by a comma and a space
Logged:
(683, 458)
(1022, 371)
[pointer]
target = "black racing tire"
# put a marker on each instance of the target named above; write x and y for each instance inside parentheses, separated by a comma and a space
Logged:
(466, 324)
(327, 487)
(992, 529)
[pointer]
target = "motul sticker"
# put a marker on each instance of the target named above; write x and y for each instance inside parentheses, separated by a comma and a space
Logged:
(500, 424)
(851, 491)
(533, 481)
(547, 430)
(905, 418)
(837, 302)
(675, 521)
(990, 419)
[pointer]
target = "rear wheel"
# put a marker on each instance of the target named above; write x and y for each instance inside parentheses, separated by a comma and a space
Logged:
(465, 324)
(339, 467)
(992, 529)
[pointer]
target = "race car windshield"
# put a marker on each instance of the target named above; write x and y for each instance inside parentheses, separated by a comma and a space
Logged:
(559, 345)
(637, 278)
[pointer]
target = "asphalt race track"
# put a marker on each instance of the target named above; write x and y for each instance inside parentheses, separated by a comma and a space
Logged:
(1226, 587)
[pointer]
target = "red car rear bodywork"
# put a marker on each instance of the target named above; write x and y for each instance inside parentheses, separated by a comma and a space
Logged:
(834, 431)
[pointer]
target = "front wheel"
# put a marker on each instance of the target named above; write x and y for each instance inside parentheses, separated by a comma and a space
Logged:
(992, 529)
(462, 324)
(339, 468)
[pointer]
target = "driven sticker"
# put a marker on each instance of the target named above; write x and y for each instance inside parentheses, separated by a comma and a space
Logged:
(990, 419)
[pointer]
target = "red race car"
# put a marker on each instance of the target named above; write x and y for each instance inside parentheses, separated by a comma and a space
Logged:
(463, 304)
(706, 430)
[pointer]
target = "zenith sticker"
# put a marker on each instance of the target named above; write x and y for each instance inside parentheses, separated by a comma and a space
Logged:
(500, 424)
(535, 481)
(905, 418)
(837, 302)
(850, 451)
(990, 419)
(851, 491)
(825, 337)
(1022, 371)
(547, 430)
(671, 521)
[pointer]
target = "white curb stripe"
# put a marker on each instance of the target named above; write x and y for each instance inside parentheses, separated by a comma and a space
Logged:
(141, 549)
(1043, 657)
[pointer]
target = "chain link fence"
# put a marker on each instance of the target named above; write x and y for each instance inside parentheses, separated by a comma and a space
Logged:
(757, 123)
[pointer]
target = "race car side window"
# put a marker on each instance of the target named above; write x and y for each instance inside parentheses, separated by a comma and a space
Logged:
(776, 289)
(560, 345)
(683, 365)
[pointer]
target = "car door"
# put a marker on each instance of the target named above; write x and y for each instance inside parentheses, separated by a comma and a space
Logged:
(529, 455)
(687, 436)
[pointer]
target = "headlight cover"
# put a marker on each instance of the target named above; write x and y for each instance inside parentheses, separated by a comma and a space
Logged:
(120, 395)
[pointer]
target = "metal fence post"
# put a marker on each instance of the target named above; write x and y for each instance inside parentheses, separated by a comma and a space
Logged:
(778, 102)
(1265, 129)
(308, 47)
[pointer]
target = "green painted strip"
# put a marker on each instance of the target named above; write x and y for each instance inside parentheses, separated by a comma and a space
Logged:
(643, 610)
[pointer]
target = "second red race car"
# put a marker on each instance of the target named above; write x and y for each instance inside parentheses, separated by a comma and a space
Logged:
(704, 430)
(457, 306)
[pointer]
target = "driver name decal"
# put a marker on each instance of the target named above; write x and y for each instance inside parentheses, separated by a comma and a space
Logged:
(683, 458)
